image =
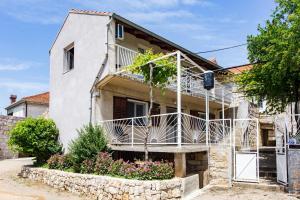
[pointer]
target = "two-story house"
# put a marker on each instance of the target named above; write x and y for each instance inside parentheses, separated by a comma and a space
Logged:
(88, 84)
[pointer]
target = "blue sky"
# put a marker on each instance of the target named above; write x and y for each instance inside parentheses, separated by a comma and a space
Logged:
(28, 27)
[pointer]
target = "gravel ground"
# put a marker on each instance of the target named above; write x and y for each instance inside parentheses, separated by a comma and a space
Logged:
(237, 193)
(14, 188)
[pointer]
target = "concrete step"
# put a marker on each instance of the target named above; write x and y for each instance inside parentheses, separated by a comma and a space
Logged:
(267, 185)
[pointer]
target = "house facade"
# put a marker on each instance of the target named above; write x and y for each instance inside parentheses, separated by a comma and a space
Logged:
(29, 106)
(89, 51)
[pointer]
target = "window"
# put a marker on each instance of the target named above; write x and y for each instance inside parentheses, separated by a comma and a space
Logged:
(69, 58)
(137, 109)
(120, 32)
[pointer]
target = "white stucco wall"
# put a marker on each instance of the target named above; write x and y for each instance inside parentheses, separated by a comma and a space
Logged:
(70, 92)
(36, 110)
(18, 111)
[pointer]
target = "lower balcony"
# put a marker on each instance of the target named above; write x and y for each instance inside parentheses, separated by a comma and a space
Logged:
(167, 133)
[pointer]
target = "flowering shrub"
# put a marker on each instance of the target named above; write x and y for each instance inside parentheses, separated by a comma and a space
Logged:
(105, 165)
(87, 166)
(58, 161)
(103, 162)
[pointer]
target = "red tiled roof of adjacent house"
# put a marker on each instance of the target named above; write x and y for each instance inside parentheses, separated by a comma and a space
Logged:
(241, 68)
(42, 98)
(90, 12)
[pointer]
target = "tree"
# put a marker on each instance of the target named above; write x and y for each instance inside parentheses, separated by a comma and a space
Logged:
(275, 52)
(36, 137)
(155, 74)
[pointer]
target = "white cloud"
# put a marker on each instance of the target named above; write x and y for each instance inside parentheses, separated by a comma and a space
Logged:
(158, 16)
(22, 86)
(34, 11)
(9, 64)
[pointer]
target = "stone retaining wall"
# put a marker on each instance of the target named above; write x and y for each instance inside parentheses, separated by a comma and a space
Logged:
(105, 187)
(6, 123)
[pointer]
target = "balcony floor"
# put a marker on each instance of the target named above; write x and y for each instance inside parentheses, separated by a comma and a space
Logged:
(161, 148)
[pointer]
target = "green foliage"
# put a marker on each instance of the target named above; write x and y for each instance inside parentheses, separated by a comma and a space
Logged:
(87, 166)
(163, 69)
(60, 162)
(90, 142)
(36, 137)
(276, 54)
(103, 162)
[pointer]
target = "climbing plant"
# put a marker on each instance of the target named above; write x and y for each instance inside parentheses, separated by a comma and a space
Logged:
(156, 73)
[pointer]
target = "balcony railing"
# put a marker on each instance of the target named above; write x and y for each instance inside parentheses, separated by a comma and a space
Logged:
(124, 56)
(191, 81)
(163, 130)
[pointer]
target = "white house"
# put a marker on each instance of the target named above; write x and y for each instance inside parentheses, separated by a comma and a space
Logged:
(29, 106)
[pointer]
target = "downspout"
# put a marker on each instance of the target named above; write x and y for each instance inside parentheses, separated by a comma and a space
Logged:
(26, 109)
(100, 70)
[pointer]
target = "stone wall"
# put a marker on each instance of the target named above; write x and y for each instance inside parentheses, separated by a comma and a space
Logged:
(294, 170)
(6, 123)
(219, 165)
(105, 187)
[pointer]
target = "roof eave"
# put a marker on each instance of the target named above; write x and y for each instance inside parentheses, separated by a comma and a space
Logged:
(126, 21)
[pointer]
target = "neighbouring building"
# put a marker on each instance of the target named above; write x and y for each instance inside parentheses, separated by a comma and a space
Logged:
(30, 106)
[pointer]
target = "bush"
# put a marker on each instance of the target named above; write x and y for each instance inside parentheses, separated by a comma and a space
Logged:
(103, 162)
(155, 170)
(90, 141)
(36, 137)
(87, 166)
(58, 161)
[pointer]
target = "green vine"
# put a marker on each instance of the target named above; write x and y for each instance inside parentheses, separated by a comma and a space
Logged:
(163, 70)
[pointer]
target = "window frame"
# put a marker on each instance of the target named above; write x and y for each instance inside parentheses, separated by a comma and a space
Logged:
(118, 35)
(66, 64)
(135, 117)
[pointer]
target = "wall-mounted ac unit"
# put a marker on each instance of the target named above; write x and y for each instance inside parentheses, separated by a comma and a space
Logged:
(120, 32)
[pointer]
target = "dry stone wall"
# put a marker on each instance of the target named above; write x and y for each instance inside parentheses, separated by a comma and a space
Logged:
(105, 187)
(219, 165)
(6, 123)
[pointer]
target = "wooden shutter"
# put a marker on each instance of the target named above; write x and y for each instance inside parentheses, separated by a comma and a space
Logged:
(120, 107)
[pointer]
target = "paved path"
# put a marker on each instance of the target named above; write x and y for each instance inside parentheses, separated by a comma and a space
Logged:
(237, 193)
(14, 188)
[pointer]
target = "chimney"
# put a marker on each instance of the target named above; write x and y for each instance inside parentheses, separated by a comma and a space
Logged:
(13, 98)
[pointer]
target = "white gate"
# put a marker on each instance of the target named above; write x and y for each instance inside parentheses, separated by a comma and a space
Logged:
(245, 148)
(281, 150)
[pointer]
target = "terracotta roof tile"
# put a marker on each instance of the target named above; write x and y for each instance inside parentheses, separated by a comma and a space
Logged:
(241, 68)
(90, 12)
(42, 98)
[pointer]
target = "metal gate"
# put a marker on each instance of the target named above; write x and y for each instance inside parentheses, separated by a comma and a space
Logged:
(245, 150)
(281, 150)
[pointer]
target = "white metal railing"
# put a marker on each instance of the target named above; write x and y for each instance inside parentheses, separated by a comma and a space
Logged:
(124, 56)
(133, 131)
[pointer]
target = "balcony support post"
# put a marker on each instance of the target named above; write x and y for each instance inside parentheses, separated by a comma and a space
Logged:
(178, 99)
(206, 116)
(223, 112)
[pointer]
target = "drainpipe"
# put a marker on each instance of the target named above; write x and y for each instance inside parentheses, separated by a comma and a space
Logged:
(26, 109)
(100, 70)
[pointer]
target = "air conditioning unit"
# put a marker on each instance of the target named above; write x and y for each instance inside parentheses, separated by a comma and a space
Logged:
(120, 32)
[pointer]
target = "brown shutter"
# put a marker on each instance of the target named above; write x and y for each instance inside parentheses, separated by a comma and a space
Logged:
(120, 107)
(155, 111)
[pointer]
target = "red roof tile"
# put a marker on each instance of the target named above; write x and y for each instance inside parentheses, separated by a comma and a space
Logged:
(42, 98)
(241, 68)
(90, 12)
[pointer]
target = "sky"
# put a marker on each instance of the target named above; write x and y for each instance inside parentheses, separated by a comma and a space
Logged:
(28, 28)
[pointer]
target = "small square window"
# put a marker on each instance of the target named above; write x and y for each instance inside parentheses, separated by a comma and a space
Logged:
(69, 58)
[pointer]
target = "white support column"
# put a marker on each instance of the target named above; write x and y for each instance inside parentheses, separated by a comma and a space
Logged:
(223, 112)
(207, 116)
(178, 99)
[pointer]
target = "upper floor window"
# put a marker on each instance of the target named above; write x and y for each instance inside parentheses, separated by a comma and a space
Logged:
(120, 32)
(69, 58)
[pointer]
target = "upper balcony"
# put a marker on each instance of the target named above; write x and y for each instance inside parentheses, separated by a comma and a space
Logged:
(191, 77)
